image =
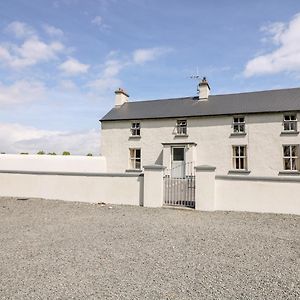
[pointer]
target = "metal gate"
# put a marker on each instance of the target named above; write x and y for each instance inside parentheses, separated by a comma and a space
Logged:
(180, 190)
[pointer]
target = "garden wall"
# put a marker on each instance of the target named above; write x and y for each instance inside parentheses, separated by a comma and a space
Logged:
(52, 163)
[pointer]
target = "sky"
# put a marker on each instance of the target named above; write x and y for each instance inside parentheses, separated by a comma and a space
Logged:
(62, 60)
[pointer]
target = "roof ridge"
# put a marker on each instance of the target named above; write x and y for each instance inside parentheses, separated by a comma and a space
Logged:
(261, 91)
(163, 99)
(229, 94)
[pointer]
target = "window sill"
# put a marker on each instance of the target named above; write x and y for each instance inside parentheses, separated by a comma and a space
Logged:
(287, 173)
(238, 134)
(133, 171)
(181, 135)
(239, 172)
(289, 133)
(134, 137)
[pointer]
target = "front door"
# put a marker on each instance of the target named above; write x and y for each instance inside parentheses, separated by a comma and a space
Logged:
(178, 162)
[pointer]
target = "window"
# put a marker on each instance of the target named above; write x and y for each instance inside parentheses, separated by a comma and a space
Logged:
(239, 157)
(181, 127)
(290, 122)
(135, 129)
(290, 157)
(135, 158)
(238, 124)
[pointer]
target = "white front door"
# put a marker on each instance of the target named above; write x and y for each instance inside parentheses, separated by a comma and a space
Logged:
(178, 162)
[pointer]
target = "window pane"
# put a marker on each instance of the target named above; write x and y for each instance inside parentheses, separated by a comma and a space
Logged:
(287, 165)
(178, 154)
(138, 164)
(294, 165)
(293, 126)
(138, 153)
(286, 126)
(294, 150)
(242, 128)
(286, 150)
(235, 128)
(293, 117)
(242, 151)
(242, 163)
(237, 163)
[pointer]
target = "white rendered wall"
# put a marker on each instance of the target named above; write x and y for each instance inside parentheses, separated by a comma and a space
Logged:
(213, 138)
(115, 189)
(52, 163)
(257, 196)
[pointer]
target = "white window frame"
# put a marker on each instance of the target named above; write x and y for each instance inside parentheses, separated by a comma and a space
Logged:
(237, 159)
(181, 127)
(290, 122)
(135, 162)
(238, 124)
(135, 128)
(292, 159)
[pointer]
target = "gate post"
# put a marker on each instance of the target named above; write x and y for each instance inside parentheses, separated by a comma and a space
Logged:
(153, 186)
(205, 188)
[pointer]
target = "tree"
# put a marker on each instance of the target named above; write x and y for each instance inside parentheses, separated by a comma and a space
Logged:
(51, 153)
(41, 152)
(66, 153)
(89, 154)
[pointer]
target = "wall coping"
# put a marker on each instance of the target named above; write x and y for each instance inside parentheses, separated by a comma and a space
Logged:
(154, 167)
(87, 174)
(205, 168)
(258, 178)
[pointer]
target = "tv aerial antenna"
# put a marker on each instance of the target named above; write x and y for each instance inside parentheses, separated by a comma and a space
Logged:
(195, 76)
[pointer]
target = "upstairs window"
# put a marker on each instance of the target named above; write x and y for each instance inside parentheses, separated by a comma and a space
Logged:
(238, 125)
(181, 127)
(239, 157)
(135, 129)
(135, 158)
(290, 157)
(290, 122)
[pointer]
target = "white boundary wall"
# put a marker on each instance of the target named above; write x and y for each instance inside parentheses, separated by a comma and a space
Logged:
(52, 163)
(246, 193)
(265, 194)
(93, 188)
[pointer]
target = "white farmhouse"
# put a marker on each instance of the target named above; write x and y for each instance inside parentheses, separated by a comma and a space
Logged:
(253, 134)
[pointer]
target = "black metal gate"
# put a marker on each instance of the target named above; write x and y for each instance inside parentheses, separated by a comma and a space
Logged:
(180, 190)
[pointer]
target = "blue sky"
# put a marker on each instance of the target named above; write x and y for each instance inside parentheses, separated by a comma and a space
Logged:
(61, 60)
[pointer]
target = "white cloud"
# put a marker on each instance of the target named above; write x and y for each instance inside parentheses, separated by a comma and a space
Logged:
(21, 92)
(97, 21)
(286, 57)
(73, 67)
(16, 138)
(53, 31)
(31, 52)
(141, 56)
(19, 29)
(108, 79)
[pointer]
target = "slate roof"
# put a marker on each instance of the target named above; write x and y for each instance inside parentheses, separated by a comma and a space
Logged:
(243, 103)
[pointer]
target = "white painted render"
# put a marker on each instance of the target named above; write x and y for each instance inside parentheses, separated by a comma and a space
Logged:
(93, 189)
(263, 196)
(214, 139)
(52, 163)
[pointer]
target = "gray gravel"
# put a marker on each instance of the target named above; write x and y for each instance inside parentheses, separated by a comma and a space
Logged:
(63, 250)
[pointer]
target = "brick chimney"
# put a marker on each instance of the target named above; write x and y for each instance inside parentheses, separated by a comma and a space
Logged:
(121, 97)
(203, 90)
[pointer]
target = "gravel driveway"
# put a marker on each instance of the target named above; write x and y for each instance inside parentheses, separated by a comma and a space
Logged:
(63, 250)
